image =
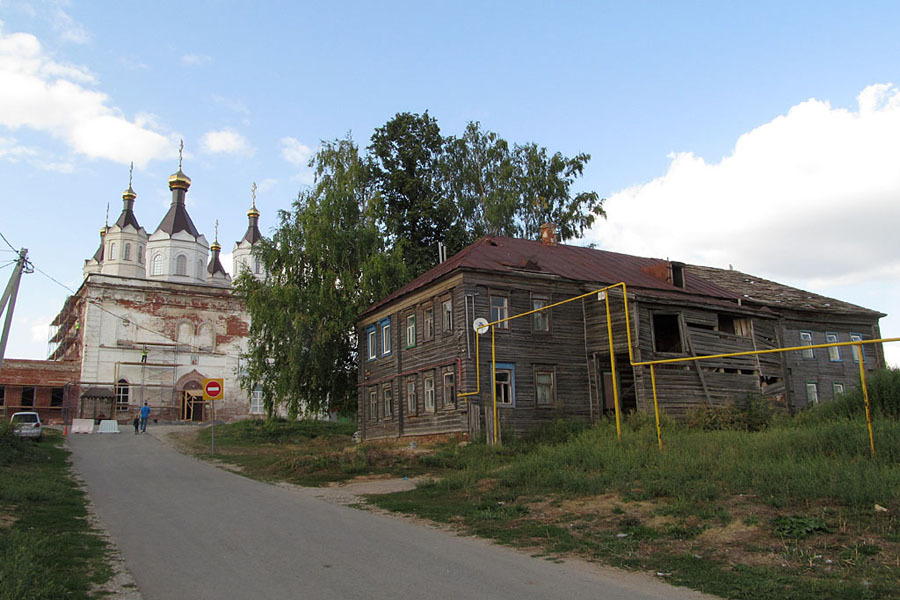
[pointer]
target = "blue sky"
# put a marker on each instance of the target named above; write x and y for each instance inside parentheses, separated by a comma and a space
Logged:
(764, 135)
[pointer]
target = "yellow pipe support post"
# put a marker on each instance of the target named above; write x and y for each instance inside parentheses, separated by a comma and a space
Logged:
(656, 406)
(494, 386)
(477, 370)
(627, 321)
(862, 381)
(612, 365)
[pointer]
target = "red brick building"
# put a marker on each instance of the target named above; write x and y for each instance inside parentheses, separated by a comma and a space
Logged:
(40, 385)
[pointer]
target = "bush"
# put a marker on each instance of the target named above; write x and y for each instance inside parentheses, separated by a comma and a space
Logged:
(754, 414)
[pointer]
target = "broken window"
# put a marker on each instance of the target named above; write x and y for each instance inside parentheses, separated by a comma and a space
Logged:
(734, 325)
(806, 339)
(667, 333)
(57, 395)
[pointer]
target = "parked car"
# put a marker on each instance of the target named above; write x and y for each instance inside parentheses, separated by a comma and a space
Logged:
(27, 424)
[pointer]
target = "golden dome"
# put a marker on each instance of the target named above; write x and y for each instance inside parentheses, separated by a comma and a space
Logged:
(215, 247)
(179, 180)
(129, 194)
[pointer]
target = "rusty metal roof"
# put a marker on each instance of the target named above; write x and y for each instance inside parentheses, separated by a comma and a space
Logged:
(575, 263)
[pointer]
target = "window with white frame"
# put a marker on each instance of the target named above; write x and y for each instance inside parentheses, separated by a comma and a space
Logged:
(834, 352)
(385, 336)
(544, 386)
(411, 406)
(127, 254)
(429, 393)
(256, 401)
(181, 264)
(257, 266)
(388, 396)
(806, 339)
(812, 392)
(505, 384)
(410, 331)
(156, 266)
(428, 318)
(449, 390)
(855, 350)
(837, 388)
(500, 310)
(373, 403)
(112, 251)
(447, 312)
(540, 320)
(371, 343)
(122, 394)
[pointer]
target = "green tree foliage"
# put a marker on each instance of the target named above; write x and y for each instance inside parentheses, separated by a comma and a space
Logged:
(372, 222)
(453, 190)
(405, 157)
(326, 262)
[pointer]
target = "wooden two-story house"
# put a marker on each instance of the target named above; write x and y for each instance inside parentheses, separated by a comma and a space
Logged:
(418, 372)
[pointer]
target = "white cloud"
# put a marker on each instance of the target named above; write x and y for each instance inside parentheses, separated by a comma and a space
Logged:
(67, 28)
(298, 154)
(11, 150)
(226, 141)
(232, 105)
(45, 95)
(195, 60)
(809, 197)
(295, 152)
(227, 260)
(266, 184)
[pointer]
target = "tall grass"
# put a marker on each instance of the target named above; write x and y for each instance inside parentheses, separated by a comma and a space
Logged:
(781, 465)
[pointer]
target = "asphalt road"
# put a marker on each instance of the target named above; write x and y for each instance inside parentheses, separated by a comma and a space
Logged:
(188, 530)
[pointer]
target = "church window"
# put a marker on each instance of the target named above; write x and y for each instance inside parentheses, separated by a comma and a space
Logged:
(156, 268)
(199, 269)
(127, 254)
(112, 251)
(122, 394)
(140, 254)
(257, 268)
(181, 264)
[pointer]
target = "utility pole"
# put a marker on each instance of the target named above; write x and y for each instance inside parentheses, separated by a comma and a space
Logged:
(8, 302)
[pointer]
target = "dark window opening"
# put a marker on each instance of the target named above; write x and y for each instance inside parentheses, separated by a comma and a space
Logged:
(28, 397)
(666, 333)
(726, 324)
(678, 274)
(56, 397)
(2, 395)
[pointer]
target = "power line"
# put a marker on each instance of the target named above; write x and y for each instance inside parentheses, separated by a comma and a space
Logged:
(7, 242)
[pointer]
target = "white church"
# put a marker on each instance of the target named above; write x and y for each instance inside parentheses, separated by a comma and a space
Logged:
(154, 316)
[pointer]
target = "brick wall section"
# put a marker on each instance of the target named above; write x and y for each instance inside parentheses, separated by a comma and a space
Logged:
(18, 375)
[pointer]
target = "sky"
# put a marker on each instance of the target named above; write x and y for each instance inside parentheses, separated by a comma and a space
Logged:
(762, 135)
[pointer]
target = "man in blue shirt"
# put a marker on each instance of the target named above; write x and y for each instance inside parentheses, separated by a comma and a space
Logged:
(145, 413)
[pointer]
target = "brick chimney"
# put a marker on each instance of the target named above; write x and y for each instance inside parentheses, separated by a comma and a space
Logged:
(548, 234)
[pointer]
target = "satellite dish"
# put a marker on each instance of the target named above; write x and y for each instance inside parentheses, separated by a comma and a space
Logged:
(480, 325)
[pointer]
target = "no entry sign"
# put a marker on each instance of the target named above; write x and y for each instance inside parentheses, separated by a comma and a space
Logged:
(213, 389)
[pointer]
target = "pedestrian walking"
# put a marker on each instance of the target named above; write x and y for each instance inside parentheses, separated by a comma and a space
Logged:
(145, 414)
